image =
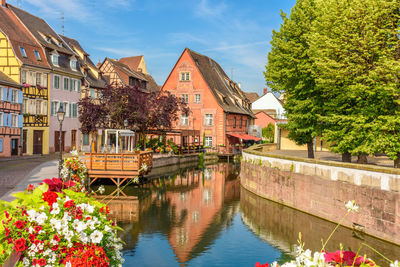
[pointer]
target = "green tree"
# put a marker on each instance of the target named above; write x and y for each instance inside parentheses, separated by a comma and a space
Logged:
(355, 48)
(289, 70)
(268, 132)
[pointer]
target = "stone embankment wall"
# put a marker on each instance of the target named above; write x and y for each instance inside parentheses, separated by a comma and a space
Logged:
(322, 190)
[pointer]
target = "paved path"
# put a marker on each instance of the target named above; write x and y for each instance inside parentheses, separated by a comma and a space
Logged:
(329, 156)
(16, 175)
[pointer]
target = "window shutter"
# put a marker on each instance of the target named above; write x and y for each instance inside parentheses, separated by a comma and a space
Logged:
(4, 94)
(79, 86)
(1, 144)
(9, 120)
(9, 95)
(5, 116)
(52, 108)
(20, 121)
(20, 97)
(70, 110)
(71, 85)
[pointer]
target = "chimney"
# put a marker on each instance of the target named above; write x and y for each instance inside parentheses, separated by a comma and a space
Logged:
(240, 85)
(265, 90)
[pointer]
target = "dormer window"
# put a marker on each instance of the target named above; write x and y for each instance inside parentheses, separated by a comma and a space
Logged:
(37, 55)
(23, 51)
(73, 63)
(54, 59)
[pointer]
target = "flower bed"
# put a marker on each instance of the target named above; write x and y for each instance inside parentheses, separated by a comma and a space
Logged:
(58, 224)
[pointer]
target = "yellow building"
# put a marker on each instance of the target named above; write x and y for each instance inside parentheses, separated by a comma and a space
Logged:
(23, 59)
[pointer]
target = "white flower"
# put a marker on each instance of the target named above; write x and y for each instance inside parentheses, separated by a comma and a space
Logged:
(56, 224)
(74, 153)
(41, 218)
(55, 210)
(81, 227)
(84, 238)
(96, 236)
(31, 215)
(101, 189)
(68, 264)
(351, 206)
(107, 229)
(395, 264)
(144, 166)
(89, 209)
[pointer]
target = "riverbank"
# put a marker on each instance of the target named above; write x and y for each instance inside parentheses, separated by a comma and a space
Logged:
(321, 188)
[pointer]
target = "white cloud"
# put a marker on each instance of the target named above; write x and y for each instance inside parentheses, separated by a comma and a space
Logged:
(204, 9)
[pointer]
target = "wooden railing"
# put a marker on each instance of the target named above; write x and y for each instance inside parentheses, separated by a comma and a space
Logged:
(119, 164)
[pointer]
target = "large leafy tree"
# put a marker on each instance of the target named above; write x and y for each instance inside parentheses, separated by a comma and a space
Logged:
(142, 111)
(289, 70)
(355, 48)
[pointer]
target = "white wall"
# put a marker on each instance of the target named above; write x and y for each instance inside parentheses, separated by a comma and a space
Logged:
(269, 101)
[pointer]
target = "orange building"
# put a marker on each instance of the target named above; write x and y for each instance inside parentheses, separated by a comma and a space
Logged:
(218, 107)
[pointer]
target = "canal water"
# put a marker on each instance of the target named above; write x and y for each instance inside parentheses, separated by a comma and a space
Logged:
(202, 217)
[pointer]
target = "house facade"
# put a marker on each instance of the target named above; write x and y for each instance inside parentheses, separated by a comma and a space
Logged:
(23, 60)
(64, 82)
(218, 107)
(11, 119)
(91, 86)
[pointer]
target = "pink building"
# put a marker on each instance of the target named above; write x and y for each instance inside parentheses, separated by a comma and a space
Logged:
(64, 83)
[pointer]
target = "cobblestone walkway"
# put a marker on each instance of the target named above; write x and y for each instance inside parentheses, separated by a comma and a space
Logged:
(14, 171)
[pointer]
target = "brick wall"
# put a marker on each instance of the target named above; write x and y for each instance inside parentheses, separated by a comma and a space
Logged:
(302, 189)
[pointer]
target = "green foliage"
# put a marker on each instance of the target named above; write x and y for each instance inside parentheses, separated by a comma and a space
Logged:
(355, 48)
(268, 133)
(289, 70)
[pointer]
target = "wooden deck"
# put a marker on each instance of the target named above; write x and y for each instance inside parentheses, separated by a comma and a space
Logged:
(117, 167)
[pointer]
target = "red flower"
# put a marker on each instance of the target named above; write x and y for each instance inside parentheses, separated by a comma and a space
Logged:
(346, 257)
(32, 237)
(6, 213)
(42, 262)
(20, 244)
(50, 197)
(262, 265)
(19, 224)
(38, 228)
(24, 213)
(55, 248)
(56, 238)
(69, 204)
(7, 231)
(31, 187)
(34, 261)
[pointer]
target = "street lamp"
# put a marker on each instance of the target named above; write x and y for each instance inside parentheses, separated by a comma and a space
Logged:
(126, 123)
(60, 117)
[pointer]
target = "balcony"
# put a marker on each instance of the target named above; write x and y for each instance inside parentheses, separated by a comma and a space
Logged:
(32, 120)
(35, 91)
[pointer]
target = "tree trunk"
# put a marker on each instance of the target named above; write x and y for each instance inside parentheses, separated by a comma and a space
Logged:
(397, 161)
(346, 157)
(362, 158)
(310, 149)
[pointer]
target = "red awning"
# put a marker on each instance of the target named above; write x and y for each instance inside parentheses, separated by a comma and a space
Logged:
(245, 137)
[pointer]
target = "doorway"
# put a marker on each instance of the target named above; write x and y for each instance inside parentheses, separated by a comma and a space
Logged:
(14, 147)
(24, 138)
(37, 142)
(73, 139)
(57, 141)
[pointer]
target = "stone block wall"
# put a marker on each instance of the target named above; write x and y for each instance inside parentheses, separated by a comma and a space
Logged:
(323, 190)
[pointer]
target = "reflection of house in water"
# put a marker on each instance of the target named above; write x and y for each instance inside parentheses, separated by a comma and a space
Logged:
(191, 209)
(202, 206)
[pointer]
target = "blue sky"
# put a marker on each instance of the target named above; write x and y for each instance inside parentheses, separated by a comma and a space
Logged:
(234, 33)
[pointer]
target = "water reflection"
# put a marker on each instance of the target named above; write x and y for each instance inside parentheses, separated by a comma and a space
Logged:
(279, 225)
